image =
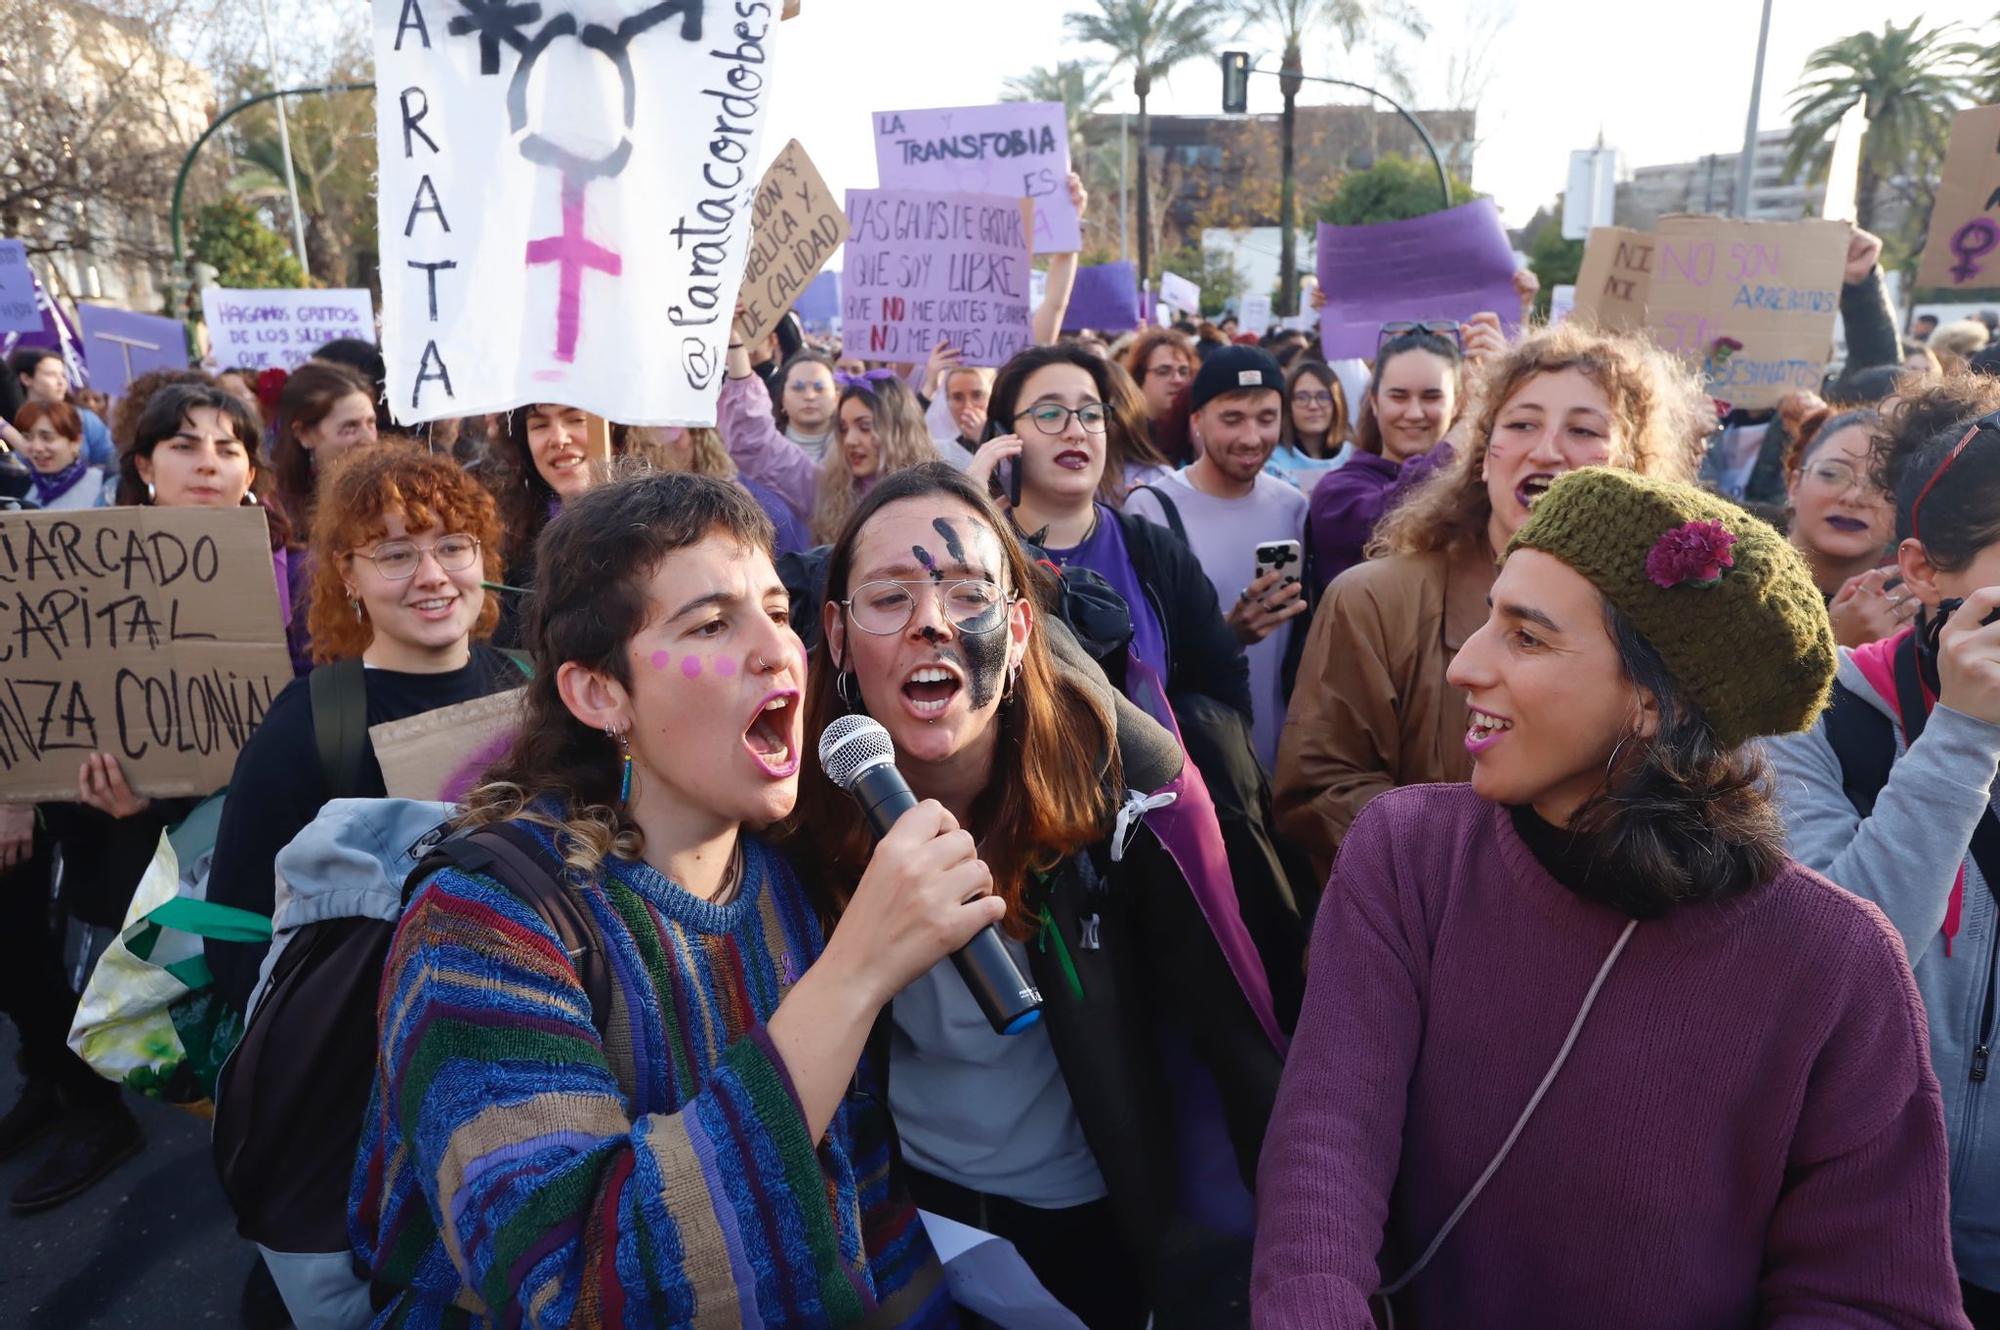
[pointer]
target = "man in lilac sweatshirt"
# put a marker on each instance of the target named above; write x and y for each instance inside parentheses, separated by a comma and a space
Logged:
(1581, 1047)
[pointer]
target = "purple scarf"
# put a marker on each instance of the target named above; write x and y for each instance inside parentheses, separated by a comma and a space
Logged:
(50, 488)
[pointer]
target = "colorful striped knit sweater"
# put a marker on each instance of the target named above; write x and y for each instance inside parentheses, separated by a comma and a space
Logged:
(518, 1170)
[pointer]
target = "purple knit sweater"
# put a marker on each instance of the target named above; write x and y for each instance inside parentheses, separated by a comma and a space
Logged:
(1747, 1132)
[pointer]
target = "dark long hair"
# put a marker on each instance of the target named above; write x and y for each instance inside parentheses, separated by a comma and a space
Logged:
(1961, 514)
(1126, 438)
(1056, 759)
(311, 392)
(516, 483)
(162, 419)
(1368, 428)
(1681, 819)
(592, 569)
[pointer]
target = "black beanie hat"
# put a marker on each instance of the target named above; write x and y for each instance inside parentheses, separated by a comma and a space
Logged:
(1234, 369)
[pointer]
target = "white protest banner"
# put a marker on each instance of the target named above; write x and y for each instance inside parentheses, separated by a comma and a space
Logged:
(1562, 301)
(1020, 149)
(565, 205)
(1177, 292)
(151, 634)
(1255, 316)
(281, 329)
(923, 266)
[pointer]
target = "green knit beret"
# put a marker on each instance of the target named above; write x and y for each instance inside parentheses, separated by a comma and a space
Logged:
(1726, 601)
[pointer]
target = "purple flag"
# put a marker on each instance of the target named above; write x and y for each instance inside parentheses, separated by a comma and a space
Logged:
(120, 345)
(55, 333)
(1105, 299)
(1446, 266)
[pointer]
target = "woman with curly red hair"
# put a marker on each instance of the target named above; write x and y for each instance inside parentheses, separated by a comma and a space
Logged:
(401, 543)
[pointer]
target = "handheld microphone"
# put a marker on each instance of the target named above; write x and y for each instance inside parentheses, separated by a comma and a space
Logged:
(857, 755)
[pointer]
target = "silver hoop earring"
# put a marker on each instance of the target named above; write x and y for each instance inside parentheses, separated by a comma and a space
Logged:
(840, 689)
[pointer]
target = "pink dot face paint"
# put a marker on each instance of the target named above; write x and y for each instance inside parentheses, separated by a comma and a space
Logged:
(724, 666)
(660, 659)
(691, 667)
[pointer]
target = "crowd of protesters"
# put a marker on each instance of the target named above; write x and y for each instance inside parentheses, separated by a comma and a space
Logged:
(1500, 840)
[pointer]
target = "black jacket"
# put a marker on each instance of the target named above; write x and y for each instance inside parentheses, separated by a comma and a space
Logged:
(1203, 655)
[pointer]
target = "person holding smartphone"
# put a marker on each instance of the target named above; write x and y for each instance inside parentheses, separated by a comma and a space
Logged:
(1891, 794)
(1227, 508)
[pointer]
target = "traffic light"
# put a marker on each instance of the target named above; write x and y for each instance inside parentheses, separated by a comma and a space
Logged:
(1235, 82)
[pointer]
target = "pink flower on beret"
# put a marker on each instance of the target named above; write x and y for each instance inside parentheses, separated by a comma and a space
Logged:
(1692, 554)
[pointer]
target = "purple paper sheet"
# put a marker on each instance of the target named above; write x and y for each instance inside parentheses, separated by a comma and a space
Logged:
(1105, 299)
(54, 332)
(18, 312)
(119, 345)
(1018, 149)
(1448, 265)
(921, 266)
(819, 304)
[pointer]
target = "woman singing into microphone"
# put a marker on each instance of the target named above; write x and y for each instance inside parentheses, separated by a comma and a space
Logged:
(710, 1155)
(1581, 1047)
(1069, 1139)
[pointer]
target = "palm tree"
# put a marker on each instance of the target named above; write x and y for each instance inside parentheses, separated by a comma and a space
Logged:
(1150, 37)
(1082, 88)
(1292, 21)
(1909, 81)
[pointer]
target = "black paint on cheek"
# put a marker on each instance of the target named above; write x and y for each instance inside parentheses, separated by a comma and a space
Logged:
(923, 556)
(985, 664)
(951, 541)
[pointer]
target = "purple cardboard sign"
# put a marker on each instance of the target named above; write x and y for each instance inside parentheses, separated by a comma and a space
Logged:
(922, 266)
(1018, 149)
(18, 311)
(819, 304)
(1105, 299)
(119, 345)
(1448, 265)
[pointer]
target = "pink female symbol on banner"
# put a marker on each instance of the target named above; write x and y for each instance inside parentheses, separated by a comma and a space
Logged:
(1971, 243)
(562, 139)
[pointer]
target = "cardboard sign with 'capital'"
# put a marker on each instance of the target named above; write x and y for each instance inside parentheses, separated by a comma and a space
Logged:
(151, 634)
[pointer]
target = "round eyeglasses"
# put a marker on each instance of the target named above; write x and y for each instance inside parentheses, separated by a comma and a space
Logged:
(882, 608)
(398, 560)
(1052, 418)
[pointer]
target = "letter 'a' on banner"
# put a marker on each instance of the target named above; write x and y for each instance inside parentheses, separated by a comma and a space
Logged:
(565, 200)
(1962, 251)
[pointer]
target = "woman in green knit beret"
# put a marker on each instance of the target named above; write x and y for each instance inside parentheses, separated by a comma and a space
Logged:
(1581, 1046)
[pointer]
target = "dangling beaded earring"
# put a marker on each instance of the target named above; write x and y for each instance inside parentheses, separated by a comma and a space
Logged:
(354, 603)
(625, 777)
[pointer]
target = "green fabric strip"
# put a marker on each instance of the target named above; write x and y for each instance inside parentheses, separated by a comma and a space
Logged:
(1049, 930)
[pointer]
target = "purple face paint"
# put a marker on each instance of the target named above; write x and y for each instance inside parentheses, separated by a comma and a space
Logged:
(725, 666)
(660, 659)
(691, 667)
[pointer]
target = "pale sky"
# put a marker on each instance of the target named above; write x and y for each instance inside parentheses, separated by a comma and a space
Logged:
(1667, 81)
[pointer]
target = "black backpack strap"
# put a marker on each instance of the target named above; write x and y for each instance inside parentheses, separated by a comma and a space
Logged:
(518, 862)
(1864, 742)
(1167, 508)
(340, 723)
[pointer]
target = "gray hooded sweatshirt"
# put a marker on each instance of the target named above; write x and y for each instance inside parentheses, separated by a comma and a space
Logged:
(1905, 858)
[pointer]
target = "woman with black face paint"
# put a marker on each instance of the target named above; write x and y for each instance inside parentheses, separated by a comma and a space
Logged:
(1891, 795)
(1123, 1125)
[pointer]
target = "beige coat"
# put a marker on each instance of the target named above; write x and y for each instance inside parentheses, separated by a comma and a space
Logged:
(1371, 709)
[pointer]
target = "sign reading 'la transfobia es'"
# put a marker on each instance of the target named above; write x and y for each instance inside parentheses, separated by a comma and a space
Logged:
(151, 634)
(565, 199)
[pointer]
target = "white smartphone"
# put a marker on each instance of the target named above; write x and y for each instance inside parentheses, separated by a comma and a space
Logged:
(1279, 556)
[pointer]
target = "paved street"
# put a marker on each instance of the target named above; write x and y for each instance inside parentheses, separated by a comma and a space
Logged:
(152, 1246)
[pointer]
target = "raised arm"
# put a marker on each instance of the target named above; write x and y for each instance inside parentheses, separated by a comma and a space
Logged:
(1062, 278)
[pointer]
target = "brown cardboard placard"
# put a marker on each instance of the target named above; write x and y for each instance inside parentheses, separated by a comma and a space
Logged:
(797, 225)
(791, 10)
(1751, 303)
(1963, 248)
(444, 753)
(151, 634)
(1616, 273)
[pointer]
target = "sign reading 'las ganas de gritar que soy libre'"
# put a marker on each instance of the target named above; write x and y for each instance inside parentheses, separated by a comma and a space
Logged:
(565, 194)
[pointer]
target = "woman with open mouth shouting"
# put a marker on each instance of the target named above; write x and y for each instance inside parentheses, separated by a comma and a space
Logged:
(1581, 1046)
(708, 1153)
(1372, 708)
(1154, 1039)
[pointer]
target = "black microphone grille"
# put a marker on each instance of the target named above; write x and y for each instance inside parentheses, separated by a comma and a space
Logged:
(852, 745)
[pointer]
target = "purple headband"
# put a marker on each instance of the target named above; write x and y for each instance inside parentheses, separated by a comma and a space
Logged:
(865, 381)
